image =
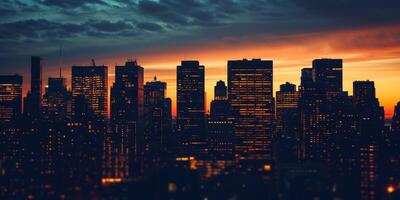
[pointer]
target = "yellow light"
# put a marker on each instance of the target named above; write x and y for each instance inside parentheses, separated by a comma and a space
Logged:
(267, 168)
(106, 181)
(390, 189)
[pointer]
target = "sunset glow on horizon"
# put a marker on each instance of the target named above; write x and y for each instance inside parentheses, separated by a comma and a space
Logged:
(364, 58)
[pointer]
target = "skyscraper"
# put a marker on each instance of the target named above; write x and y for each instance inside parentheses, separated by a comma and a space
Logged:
(220, 127)
(190, 98)
(10, 97)
(157, 118)
(220, 105)
(91, 82)
(369, 114)
(320, 85)
(32, 102)
(250, 97)
(287, 111)
(396, 120)
(220, 91)
(55, 99)
(88, 123)
(327, 74)
(127, 117)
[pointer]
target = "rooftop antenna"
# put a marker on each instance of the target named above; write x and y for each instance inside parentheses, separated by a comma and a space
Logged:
(60, 60)
(93, 63)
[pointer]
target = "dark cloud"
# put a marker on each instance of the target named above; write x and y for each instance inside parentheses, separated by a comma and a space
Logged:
(180, 12)
(107, 26)
(37, 29)
(4, 12)
(149, 26)
(355, 11)
(151, 7)
(69, 3)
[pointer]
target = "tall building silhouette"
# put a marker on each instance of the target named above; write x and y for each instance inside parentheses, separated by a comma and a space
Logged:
(287, 111)
(328, 76)
(220, 105)
(56, 99)
(220, 127)
(91, 83)
(33, 100)
(10, 97)
(250, 97)
(127, 118)
(369, 114)
(88, 124)
(319, 85)
(307, 104)
(396, 120)
(158, 119)
(220, 91)
(190, 98)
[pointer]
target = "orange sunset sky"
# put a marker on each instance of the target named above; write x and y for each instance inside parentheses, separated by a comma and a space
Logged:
(368, 54)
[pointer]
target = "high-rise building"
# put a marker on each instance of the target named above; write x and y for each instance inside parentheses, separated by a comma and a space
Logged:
(220, 128)
(369, 114)
(319, 86)
(220, 105)
(88, 123)
(157, 118)
(220, 91)
(55, 99)
(10, 97)
(190, 98)
(287, 111)
(327, 74)
(396, 120)
(252, 104)
(33, 101)
(91, 83)
(127, 118)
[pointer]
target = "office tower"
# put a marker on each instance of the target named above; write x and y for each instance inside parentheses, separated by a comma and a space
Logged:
(327, 74)
(220, 91)
(369, 114)
(157, 118)
(396, 120)
(127, 117)
(368, 172)
(250, 97)
(220, 105)
(319, 86)
(55, 100)
(307, 93)
(87, 125)
(220, 128)
(10, 97)
(190, 98)
(91, 83)
(287, 111)
(54, 108)
(33, 100)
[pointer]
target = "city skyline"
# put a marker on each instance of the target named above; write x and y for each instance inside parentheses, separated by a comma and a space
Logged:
(248, 133)
(200, 99)
(388, 104)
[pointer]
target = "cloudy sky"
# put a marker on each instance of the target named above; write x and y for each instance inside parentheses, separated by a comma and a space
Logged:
(160, 33)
